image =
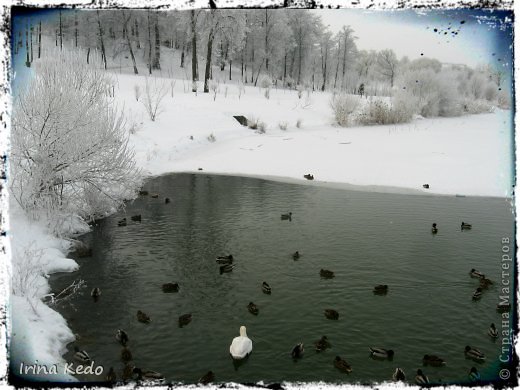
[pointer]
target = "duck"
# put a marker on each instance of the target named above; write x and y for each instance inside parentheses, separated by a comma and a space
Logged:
(476, 274)
(325, 273)
(122, 337)
(287, 216)
(128, 372)
(473, 353)
(121, 222)
(126, 355)
(170, 287)
(421, 379)
(426, 186)
(253, 309)
(485, 283)
(297, 351)
(492, 331)
(433, 360)
(143, 193)
(477, 294)
(296, 255)
(136, 218)
(111, 375)
(143, 317)
(434, 228)
(95, 293)
(81, 356)
(185, 319)
(322, 344)
(465, 226)
(166, 200)
(241, 346)
(399, 375)
(381, 353)
(331, 314)
(266, 288)
(155, 196)
(474, 375)
(148, 375)
(308, 176)
(207, 378)
(381, 289)
(226, 268)
(225, 259)
(342, 365)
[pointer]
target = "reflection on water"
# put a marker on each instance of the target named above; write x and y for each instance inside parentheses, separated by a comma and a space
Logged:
(366, 239)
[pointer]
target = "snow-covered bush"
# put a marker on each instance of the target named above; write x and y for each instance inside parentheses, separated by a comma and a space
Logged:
(283, 125)
(69, 144)
(154, 93)
(378, 112)
(491, 92)
(504, 100)
(214, 86)
(478, 106)
(344, 106)
(137, 92)
(211, 138)
(26, 279)
(266, 82)
(300, 88)
(241, 90)
(267, 93)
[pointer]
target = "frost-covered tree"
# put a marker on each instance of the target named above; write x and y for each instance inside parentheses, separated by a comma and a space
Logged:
(387, 63)
(70, 153)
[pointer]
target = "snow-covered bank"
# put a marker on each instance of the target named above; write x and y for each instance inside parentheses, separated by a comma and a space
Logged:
(469, 155)
(38, 334)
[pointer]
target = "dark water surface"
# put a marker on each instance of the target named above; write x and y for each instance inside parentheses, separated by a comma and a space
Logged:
(365, 238)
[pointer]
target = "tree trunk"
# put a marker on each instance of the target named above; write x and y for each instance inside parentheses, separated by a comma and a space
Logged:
(284, 67)
(344, 62)
(149, 44)
(103, 54)
(208, 62)
(337, 67)
(137, 33)
(129, 43)
(157, 58)
(194, 65)
(252, 57)
(299, 61)
(31, 41)
(56, 37)
(266, 43)
(259, 69)
(222, 62)
(324, 67)
(230, 70)
(27, 60)
(40, 39)
(61, 33)
(182, 55)
(76, 29)
(88, 55)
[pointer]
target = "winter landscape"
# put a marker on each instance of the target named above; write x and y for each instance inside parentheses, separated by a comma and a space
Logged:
(261, 195)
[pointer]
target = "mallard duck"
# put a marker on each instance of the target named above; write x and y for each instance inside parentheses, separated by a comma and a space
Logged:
(136, 218)
(287, 216)
(399, 375)
(185, 319)
(296, 255)
(308, 176)
(473, 353)
(170, 287)
(381, 353)
(122, 222)
(485, 283)
(465, 226)
(166, 200)
(81, 356)
(225, 259)
(95, 293)
(477, 294)
(122, 337)
(226, 268)
(434, 228)
(492, 331)
(433, 360)
(331, 314)
(143, 317)
(474, 375)
(503, 307)
(148, 375)
(155, 196)
(111, 375)
(253, 309)
(381, 289)
(421, 379)
(266, 288)
(241, 346)
(342, 365)
(322, 344)
(207, 378)
(126, 355)
(297, 351)
(476, 274)
(325, 273)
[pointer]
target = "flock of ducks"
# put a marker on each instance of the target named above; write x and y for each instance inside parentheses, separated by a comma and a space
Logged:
(241, 346)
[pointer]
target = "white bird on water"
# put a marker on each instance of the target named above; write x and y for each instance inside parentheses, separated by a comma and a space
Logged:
(241, 346)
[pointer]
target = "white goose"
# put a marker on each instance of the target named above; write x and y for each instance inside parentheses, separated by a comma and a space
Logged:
(241, 346)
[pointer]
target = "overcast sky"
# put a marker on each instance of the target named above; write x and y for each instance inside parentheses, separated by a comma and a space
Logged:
(411, 32)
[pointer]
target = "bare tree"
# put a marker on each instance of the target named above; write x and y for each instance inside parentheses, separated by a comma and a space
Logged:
(387, 61)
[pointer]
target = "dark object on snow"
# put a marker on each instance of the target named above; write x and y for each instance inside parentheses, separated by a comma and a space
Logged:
(166, 200)
(309, 176)
(170, 287)
(241, 119)
(185, 319)
(143, 193)
(426, 186)
(122, 222)
(136, 218)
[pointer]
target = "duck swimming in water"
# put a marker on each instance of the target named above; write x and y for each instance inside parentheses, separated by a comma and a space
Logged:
(81, 356)
(325, 273)
(331, 314)
(184, 320)
(381, 289)
(399, 375)
(465, 226)
(95, 293)
(170, 287)
(296, 255)
(474, 354)
(322, 344)
(492, 331)
(342, 365)
(297, 351)
(287, 216)
(434, 228)
(241, 346)
(474, 375)
(207, 378)
(226, 268)
(477, 294)
(148, 375)
(253, 309)
(266, 288)
(122, 337)
(381, 353)
(136, 218)
(421, 379)
(433, 360)
(126, 355)
(143, 317)
(476, 274)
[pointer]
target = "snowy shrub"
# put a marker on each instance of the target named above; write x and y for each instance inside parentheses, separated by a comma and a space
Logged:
(265, 82)
(69, 144)
(137, 92)
(479, 106)
(267, 93)
(27, 271)
(504, 100)
(378, 112)
(476, 85)
(491, 92)
(211, 138)
(154, 93)
(261, 127)
(172, 86)
(300, 88)
(283, 125)
(241, 90)
(344, 106)
(214, 87)
(252, 123)
(299, 123)
(289, 82)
